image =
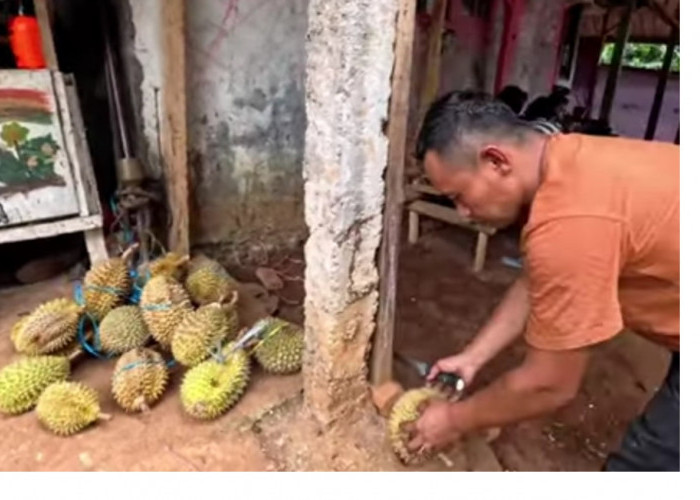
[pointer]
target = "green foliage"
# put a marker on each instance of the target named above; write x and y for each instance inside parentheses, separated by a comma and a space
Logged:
(642, 56)
(25, 159)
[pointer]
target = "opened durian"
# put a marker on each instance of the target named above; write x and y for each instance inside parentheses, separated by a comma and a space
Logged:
(48, 329)
(68, 407)
(139, 379)
(164, 303)
(406, 410)
(209, 389)
(22, 382)
(171, 265)
(107, 285)
(199, 333)
(207, 281)
(122, 329)
(281, 348)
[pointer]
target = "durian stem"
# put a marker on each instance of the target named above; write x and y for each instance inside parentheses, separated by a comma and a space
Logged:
(445, 460)
(126, 255)
(104, 417)
(141, 403)
(75, 354)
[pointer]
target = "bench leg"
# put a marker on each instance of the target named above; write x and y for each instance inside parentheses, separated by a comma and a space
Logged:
(480, 254)
(413, 227)
(95, 244)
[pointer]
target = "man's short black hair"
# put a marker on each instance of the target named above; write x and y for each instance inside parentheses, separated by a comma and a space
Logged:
(461, 115)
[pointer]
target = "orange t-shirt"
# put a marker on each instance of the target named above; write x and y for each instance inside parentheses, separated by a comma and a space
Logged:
(602, 244)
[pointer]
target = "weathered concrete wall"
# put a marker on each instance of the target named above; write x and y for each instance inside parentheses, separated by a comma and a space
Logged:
(349, 64)
(245, 104)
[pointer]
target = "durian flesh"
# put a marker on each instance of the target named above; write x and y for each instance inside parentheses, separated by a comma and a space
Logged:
(49, 328)
(199, 333)
(164, 303)
(22, 382)
(139, 379)
(123, 329)
(406, 410)
(281, 349)
(209, 389)
(68, 407)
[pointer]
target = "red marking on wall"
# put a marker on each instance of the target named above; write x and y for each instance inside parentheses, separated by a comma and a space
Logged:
(513, 14)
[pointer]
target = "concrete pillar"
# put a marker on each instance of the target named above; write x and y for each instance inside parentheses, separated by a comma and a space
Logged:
(349, 63)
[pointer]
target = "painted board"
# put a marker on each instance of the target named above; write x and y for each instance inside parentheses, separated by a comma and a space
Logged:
(36, 179)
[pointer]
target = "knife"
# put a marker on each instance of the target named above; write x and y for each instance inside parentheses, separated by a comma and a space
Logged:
(423, 369)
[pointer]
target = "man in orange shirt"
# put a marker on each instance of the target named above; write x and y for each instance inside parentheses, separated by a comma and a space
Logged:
(601, 252)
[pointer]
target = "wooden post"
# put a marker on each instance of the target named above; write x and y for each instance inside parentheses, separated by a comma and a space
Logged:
(433, 59)
(513, 11)
(413, 227)
(174, 131)
(623, 31)
(47, 46)
(661, 86)
(383, 348)
(480, 254)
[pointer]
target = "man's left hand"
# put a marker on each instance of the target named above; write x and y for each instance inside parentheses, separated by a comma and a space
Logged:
(434, 430)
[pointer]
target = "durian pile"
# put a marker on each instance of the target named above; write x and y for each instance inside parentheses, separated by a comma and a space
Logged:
(172, 311)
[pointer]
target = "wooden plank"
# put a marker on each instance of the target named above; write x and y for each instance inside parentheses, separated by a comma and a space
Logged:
(53, 228)
(174, 132)
(47, 45)
(95, 245)
(425, 189)
(433, 59)
(661, 86)
(382, 352)
(413, 227)
(480, 254)
(449, 215)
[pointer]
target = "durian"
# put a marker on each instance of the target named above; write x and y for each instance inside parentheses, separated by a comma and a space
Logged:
(207, 281)
(209, 389)
(68, 407)
(406, 410)
(171, 265)
(107, 285)
(139, 379)
(164, 303)
(281, 348)
(122, 329)
(22, 382)
(49, 328)
(199, 333)
(17, 328)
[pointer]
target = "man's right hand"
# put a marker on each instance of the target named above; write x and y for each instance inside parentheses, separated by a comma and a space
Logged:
(462, 364)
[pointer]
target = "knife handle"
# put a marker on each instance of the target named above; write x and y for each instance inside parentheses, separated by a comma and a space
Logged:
(451, 379)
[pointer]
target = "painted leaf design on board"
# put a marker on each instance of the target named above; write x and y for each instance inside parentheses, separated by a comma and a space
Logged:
(13, 134)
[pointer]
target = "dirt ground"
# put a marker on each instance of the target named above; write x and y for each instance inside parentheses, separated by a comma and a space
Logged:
(440, 306)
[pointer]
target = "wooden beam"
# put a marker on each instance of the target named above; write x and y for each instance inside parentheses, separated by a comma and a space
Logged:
(433, 58)
(383, 348)
(664, 15)
(47, 46)
(513, 11)
(449, 215)
(616, 63)
(661, 86)
(174, 130)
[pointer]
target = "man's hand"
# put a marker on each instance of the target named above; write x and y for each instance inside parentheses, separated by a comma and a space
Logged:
(434, 430)
(462, 364)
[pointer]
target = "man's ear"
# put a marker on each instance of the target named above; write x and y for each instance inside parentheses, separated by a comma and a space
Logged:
(497, 159)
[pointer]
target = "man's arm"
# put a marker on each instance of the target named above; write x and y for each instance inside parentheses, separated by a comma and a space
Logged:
(505, 325)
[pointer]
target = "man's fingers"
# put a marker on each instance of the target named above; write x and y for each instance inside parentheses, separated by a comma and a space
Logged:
(415, 444)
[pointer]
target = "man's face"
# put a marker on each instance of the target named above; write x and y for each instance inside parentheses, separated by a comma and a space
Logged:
(487, 192)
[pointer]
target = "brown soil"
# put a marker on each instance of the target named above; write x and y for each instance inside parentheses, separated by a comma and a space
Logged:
(442, 304)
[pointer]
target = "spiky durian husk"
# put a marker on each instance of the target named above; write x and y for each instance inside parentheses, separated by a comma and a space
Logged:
(123, 329)
(281, 348)
(164, 303)
(48, 329)
(199, 333)
(106, 286)
(407, 409)
(17, 328)
(68, 407)
(139, 379)
(211, 388)
(22, 382)
(171, 265)
(207, 281)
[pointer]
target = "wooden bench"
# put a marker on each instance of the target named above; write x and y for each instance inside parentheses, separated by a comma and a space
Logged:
(450, 215)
